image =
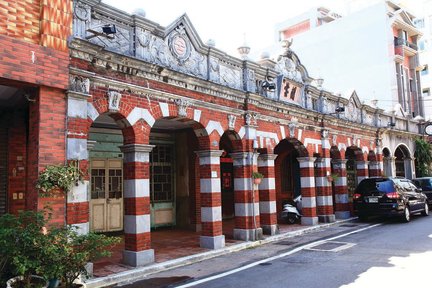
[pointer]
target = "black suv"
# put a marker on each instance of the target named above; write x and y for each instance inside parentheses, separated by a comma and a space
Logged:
(425, 183)
(389, 197)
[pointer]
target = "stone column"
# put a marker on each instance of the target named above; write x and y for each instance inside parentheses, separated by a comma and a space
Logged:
(362, 168)
(211, 210)
(341, 190)
(308, 192)
(137, 205)
(267, 194)
(246, 197)
(374, 169)
(78, 147)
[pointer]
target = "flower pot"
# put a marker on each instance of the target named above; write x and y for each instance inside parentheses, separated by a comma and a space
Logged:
(257, 181)
(13, 282)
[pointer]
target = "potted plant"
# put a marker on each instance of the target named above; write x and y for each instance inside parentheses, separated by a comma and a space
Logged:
(23, 244)
(257, 177)
(59, 177)
(72, 252)
(332, 177)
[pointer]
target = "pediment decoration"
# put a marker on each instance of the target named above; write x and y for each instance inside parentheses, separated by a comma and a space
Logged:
(288, 64)
(353, 108)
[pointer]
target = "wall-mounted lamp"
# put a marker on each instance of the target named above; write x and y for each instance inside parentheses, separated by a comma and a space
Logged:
(108, 31)
(269, 86)
(338, 109)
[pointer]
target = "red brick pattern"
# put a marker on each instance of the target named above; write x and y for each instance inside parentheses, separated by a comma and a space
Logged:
(50, 67)
(77, 213)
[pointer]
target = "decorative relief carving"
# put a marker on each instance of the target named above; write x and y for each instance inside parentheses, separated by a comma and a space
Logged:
(179, 44)
(176, 52)
(352, 112)
(291, 128)
(182, 105)
(334, 140)
(214, 69)
(79, 84)
(120, 42)
(324, 133)
(288, 69)
(230, 77)
(114, 98)
(251, 118)
(82, 11)
(371, 144)
(231, 121)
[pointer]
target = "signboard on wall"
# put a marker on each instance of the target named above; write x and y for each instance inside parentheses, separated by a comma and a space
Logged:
(289, 91)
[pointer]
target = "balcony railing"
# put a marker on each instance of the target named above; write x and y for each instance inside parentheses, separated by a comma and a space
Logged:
(403, 42)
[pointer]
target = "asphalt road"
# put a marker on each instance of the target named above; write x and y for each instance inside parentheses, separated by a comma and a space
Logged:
(375, 254)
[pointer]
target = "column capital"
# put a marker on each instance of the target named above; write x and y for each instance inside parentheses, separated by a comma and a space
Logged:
(209, 153)
(306, 159)
(265, 157)
(339, 161)
(132, 148)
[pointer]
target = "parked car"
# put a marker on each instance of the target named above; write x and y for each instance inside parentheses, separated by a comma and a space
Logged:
(386, 196)
(425, 183)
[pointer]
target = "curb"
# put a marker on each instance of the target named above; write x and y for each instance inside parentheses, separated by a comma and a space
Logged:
(140, 273)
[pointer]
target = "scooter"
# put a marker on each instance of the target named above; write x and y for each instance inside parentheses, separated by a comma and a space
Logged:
(292, 213)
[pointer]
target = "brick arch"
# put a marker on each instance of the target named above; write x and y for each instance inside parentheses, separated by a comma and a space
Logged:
(404, 150)
(335, 153)
(372, 156)
(232, 141)
(354, 153)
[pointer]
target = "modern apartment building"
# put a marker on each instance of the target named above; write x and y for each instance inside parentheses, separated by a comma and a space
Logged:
(424, 24)
(377, 58)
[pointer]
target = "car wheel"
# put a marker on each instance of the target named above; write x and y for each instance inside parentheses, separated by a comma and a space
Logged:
(426, 210)
(407, 214)
(362, 218)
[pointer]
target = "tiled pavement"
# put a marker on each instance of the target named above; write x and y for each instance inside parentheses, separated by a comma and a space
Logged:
(168, 244)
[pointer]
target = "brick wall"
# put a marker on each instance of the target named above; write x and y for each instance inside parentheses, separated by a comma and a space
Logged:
(41, 22)
(296, 29)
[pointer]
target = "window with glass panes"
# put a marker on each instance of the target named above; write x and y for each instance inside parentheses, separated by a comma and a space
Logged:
(162, 173)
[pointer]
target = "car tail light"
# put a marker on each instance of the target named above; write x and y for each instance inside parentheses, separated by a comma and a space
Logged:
(393, 195)
(356, 196)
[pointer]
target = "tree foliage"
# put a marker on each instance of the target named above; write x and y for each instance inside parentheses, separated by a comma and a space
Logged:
(423, 157)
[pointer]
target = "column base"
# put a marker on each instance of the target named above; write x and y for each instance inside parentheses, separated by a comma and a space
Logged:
(82, 228)
(309, 221)
(270, 229)
(138, 258)
(343, 214)
(215, 242)
(326, 218)
(248, 234)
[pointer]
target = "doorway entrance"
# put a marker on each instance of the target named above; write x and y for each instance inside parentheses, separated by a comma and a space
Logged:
(106, 204)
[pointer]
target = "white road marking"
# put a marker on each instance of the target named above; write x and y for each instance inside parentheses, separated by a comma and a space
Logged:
(307, 246)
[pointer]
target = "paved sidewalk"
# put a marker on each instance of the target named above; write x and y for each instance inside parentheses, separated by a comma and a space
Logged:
(140, 273)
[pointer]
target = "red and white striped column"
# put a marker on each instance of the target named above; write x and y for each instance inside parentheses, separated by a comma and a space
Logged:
(307, 183)
(324, 192)
(324, 198)
(374, 169)
(362, 168)
(342, 210)
(137, 205)
(267, 194)
(77, 149)
(211, 209)
(246, 197)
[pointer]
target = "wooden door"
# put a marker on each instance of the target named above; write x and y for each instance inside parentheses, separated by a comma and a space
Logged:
(106, 204)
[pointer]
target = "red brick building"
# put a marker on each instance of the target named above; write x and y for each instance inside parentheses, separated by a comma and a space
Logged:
(170, 130)
(34, 73)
